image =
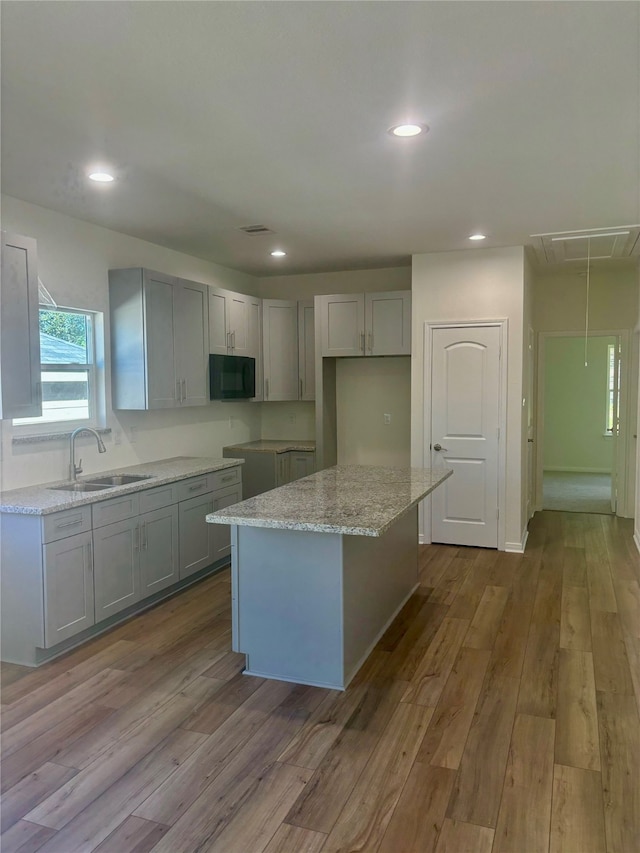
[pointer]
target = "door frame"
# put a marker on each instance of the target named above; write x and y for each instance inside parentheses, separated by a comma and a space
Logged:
(503, 326)
(624, 392)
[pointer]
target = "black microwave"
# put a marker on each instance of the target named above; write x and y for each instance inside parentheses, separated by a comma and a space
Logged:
(232, 377)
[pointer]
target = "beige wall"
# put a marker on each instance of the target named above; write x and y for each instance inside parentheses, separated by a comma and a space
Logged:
(73, 260)
(474, 285)
(366, 390)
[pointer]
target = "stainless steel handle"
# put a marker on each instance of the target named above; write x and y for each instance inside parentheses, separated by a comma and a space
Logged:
(301, 391)
(530, 440)
(184, 390)
(227, 478)
(439, 447)
(89, 556)
(144, 535)
(233, 339)
(197, 487)
(228, 340)
(370, 337)
(266, 389)
(362, 342)
(136, 541)
(69, 523)
(177, 390)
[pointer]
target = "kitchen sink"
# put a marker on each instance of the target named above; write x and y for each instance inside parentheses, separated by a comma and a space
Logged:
(80, 487)
(117, 480)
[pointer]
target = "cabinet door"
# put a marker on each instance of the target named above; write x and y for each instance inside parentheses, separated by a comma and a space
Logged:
(68, 588)
(159, 557)
(116, 567)
(222, 532)
(162, 392)
(218, 339)
(255, 345)
(341, 324)
(196, 536)
(282, 469)
(280, 349)
(301, 463)
(306, 350)
(19, 329)
(190, 313)
(239, 322)
(388, 321)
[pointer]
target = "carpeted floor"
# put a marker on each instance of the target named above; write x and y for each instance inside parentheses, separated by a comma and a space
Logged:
(572, 492)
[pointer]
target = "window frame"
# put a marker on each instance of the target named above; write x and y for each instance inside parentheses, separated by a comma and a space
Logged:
(28, 426)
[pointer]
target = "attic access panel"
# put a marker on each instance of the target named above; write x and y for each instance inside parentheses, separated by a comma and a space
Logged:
(595, 243)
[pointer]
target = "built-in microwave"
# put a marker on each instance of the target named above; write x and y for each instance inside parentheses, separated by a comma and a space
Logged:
(232, 377)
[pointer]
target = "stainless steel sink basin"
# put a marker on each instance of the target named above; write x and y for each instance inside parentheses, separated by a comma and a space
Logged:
(117, 480)
(80, 487)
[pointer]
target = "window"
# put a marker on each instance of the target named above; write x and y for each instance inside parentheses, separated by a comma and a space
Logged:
(67, 355)
(612, 402)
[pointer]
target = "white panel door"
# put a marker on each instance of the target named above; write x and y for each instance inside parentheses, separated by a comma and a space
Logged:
(465, 417)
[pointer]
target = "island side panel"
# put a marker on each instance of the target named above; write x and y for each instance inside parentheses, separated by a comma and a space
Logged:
(380, 574)
(288, 604)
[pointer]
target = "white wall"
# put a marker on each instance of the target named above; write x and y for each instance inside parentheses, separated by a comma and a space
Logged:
(366, 390)
(73, 260)
(474, 285)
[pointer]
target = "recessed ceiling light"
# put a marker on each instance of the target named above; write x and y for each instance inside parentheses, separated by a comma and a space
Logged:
(405, 130)
(101, 177)
(478, 237)
(278, 253)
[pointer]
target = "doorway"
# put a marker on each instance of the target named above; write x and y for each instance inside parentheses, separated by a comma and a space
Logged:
(580, 447)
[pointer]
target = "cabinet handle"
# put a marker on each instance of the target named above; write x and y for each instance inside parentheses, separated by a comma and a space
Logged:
(266, 389)
(196, 487)
(229, 340)
(136, 539)
(228, 477)
(362, 342)
(177, 391)
(69, 523)
(233, 340)
(301, 391)
(370, 342)
(144, 535)
(184, 390)
(89, 557)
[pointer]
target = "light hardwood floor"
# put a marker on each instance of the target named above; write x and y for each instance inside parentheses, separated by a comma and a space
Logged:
(498, 713)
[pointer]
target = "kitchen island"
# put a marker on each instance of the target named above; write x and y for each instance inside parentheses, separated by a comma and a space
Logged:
(320, 568)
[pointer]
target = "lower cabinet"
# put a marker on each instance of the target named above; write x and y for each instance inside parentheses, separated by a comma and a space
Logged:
(301, 464)
(68, 588)
(65, 572)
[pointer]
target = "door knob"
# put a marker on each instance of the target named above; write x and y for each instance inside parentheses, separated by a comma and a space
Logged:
(439, 447)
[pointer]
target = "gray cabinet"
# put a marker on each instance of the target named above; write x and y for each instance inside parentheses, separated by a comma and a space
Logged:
(200, 543)
(280, 349)
(235, 327)
(116, 567)
(363, 324)
(265, 470)
(159, 552)
(20, 383)
(159, 340)
(68, 588)
(301, 464)
(306, 350)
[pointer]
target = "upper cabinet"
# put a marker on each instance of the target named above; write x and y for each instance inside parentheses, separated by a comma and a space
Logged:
(20, 395)
(306, 350)
(235, 327)
(280, 349)
(358, 324)
(159, 340)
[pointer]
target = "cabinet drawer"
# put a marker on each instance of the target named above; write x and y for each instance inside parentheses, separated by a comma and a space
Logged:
(193, 487)
(66, 523)
(159, 497)
(117, 509)
(222, 479)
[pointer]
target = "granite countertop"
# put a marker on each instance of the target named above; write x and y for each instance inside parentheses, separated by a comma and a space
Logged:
(361, 500)
(41, 499)
(272, 445)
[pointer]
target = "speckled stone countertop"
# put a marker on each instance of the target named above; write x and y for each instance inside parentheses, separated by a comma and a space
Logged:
(360, 500)
(271, 445)
(42, 499)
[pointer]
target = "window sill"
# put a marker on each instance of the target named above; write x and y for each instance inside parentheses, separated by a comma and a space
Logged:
(36, 438)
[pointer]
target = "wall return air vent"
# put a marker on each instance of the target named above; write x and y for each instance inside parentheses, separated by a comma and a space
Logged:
(594, 244)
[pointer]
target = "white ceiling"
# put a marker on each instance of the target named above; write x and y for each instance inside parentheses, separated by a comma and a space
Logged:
(217, 115)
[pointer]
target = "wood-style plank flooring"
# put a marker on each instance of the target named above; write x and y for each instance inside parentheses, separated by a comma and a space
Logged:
(498, 713)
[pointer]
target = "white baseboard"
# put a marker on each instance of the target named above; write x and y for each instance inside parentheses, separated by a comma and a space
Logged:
(517, 547)
(636, 539)
(564, 470)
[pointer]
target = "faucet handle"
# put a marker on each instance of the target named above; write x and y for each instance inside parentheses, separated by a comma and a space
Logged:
(79, 467)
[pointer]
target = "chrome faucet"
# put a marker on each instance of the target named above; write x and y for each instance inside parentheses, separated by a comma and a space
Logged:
(74, 469)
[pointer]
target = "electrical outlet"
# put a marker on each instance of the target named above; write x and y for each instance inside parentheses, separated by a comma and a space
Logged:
(387, 419)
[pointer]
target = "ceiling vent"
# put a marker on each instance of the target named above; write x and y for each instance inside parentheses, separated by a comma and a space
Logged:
(595, 244)
(255, 230)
